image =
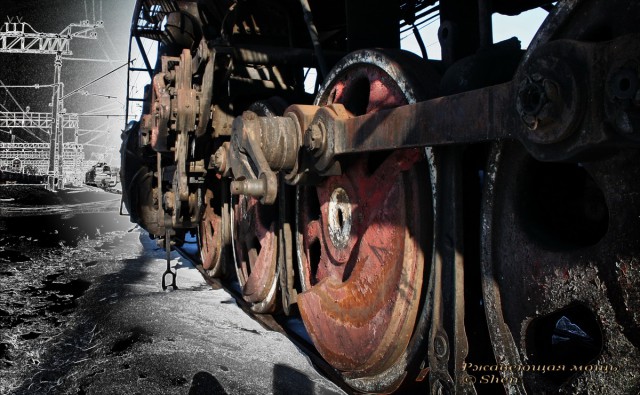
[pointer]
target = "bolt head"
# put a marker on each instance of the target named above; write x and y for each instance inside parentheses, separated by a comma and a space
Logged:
(539, 103)
(531, 97)
(313, 138)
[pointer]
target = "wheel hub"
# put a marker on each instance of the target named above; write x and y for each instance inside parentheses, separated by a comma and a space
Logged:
(339, 218)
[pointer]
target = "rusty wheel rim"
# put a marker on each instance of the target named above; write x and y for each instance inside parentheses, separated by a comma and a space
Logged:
(254, 239)
(360, 239)
(255, 247)
(210, 237)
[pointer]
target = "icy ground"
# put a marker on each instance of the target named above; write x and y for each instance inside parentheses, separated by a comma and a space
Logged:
(82, 312)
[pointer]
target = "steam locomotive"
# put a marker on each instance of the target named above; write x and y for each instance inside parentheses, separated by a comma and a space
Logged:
(437, 224)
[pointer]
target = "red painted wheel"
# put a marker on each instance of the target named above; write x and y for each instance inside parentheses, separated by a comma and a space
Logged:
(363, 239)
(255, 247)
(213, 233)
(254, 238)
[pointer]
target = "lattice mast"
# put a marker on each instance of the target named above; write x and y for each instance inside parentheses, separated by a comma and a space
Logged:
(19, 37)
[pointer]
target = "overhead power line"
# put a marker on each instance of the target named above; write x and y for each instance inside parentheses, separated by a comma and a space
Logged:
(73, 92)
(35, 86)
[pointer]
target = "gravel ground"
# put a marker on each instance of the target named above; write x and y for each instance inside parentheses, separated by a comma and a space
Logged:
(82, 312)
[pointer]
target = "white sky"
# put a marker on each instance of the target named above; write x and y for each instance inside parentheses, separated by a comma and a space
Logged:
(523, 26)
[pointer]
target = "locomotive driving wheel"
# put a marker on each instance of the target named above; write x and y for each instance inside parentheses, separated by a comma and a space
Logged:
(254, 237)
(560, 242)
(563, 237)
(213, 229)
(364, 236)
(255, 247)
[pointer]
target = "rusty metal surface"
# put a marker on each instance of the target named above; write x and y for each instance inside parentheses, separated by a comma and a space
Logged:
(448, 343)
(462, 118)
(565, 238)
(555, 106)
(578, 110)
(161, 108)
(210, 236)
(286, 259)
(136, 175)
(259, 236)
(560, 241)
(378, 283)
(361, 238)
(255, 244)
(545, 107)
(246, 156)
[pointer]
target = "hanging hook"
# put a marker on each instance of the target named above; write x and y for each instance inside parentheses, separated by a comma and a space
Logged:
(172, 273)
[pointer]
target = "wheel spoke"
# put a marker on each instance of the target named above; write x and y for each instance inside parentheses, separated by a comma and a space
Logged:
(209, 237)
(256, 248)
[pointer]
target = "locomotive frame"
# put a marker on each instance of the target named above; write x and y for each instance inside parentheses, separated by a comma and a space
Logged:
(424, 218)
